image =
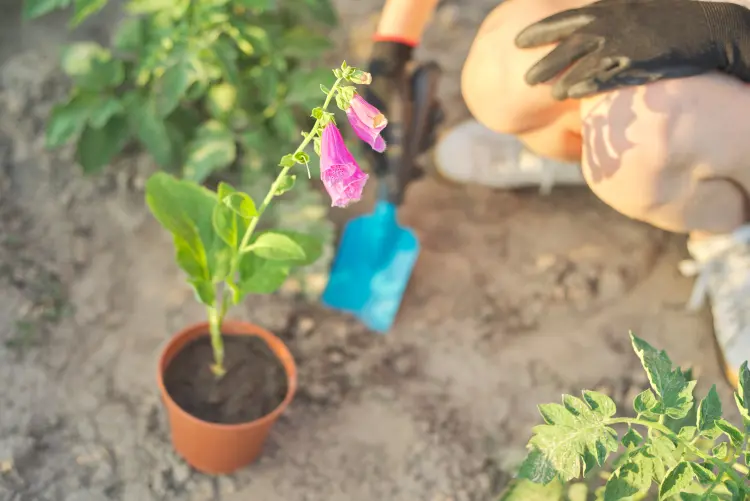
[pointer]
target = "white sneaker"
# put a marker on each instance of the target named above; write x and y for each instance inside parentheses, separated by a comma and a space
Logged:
(722, 267)
(472, 153)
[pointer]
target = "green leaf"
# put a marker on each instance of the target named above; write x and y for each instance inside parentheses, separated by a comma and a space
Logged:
(630, 479)
(322, 11)
(537, 468)
(304, 44)
(37, 8)
(709, 410)
(185, 209)
(130, 35)
(731, 431)
(600, 403)
(84, 9)
(212, 149)
(670, 385)
(720, 451)
(705, 476)
(303, 88)
(152, 131)
(148, 6)
(67, 120)
(204, 291)
(573, 431)
(222, 99)
(172, 86)
(286, 184)
(277, 247)
(92, 67)
(97, 147)
(742, 395)
(260, 276)
(225, 224)
(645, 403)
(302, 158)
(687, 433)
(261, 5)
(632, 438)
(108, 107)
(524, 490)
(678, 479)
(287, 161)
(241, 204)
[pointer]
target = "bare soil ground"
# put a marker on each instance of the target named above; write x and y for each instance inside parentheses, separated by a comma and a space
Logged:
(515, 299)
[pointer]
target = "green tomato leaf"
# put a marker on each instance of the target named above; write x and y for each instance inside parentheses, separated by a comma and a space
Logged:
(172, 86)
(709, 410)
(675, 392)
(632, 438)
(37, 8)
(97, 147)
(677, 480)
(212, 149)
(260, 276)
(687, 433)
(631, 479)
(731, 431)
(84, 9)
(92, 67)
(241, 204)
(705, 476)
(537, 468)
(742, 395)
(600, 403)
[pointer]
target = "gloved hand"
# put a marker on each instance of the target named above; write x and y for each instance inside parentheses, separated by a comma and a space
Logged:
(618, 43)
(391, 92)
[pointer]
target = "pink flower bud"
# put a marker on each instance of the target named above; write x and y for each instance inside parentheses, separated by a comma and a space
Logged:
(367, 122)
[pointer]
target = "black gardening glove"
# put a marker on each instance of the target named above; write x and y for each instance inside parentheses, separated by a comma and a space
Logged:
(391, 92)
(618, 43)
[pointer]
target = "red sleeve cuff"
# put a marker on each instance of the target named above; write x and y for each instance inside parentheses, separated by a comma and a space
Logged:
(396, 39)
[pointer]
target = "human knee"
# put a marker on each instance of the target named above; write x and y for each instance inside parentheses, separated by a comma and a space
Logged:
(492, 79)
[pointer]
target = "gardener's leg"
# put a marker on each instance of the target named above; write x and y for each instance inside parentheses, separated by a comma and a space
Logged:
(674, 154)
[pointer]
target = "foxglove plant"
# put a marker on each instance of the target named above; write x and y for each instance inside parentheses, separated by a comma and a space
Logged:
(214, 232)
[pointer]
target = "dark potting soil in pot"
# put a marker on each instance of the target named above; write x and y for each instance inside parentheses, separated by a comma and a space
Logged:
(254, 385)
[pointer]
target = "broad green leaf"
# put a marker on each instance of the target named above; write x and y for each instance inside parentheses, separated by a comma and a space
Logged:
(565, 443)
(630, 479)
(92, 67)
(152, 131)
(97, 147)
(84, 9)
(241, 204)
(705, 476)
(709, 410)
(600, 403)
(670, 385)
(537, 468)
(645, 403)
(225, 225)
(226, 56)
(277, 247)
(731, 431)
(224, 190)
(204, 291)
(108, 107)
(687, 433)
(260, 276)
(212, 149)
(632, 438)
(222, 99)
(130, 35)
(185, 209)
(677, 480)
(526, 490)
(310, 245)
(171, 87)
(37, 8)
(67, 120)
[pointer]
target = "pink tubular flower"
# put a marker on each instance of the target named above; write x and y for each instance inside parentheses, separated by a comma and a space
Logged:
(341, 176)
(367, 122)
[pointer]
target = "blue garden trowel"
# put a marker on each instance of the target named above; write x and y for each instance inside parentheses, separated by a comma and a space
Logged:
(376, 254)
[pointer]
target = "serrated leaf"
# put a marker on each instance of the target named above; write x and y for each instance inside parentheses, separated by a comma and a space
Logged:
(241, 204)
(537, 468)
(720, 450)
(704, 475)
(677, 480)
(663, 448)
(632, 438)
(731, 431)
(687, 433)
(709, 410)
(97, 147)
(600, 403)
(212, 149)
(645, 403)
(583, 432)
(669, 384)
(630, 479)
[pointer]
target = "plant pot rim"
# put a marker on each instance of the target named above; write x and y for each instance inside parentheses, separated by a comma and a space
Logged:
(237, 328)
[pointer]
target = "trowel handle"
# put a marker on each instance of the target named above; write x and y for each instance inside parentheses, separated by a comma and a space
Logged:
(411, 120)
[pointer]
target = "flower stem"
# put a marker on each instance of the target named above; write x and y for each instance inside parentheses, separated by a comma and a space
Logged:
(216, 312)
(721, 465)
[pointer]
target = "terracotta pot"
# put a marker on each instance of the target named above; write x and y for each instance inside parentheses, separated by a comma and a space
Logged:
(222, 448)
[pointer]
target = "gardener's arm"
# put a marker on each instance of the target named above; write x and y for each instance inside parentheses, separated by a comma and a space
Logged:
(404, 20)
